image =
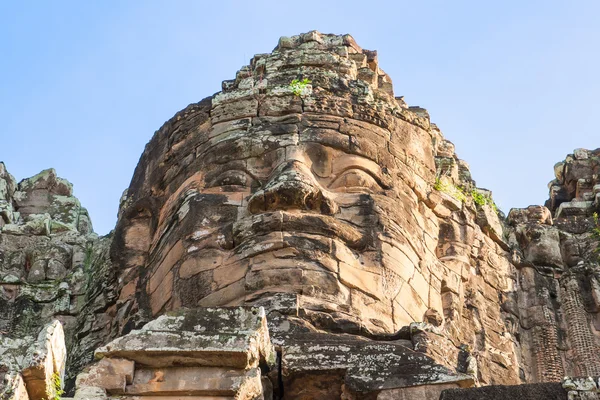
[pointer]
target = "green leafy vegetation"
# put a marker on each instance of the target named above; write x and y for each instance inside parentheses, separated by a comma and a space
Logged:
(596, 233)
(444, 186)
(461, 194)
(87, 261)
(482, 200)
(299, 86)
(57, 386)
(596, 228)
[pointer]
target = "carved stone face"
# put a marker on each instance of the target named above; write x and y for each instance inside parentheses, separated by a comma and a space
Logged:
(315, 207)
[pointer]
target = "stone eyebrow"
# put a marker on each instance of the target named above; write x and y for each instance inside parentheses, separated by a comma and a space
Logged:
(340, 141)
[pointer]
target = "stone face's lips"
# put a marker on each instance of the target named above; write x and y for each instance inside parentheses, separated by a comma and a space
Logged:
(282, 221)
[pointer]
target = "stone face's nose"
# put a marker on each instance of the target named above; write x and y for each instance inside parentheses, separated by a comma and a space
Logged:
(292, 187)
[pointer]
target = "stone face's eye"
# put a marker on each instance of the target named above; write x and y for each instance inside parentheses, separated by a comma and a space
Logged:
(231, 178)
(354, 180)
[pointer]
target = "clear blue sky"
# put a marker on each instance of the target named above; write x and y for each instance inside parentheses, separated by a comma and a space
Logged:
(84, 84)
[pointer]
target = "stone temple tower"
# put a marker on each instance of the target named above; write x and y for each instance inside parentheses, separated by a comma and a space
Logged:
(305, 234)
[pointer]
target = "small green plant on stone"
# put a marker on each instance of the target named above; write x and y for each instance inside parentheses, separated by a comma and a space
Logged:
(482, 200)
(478, 198)
(596, 228)
(443, 185)
(87, 261)
(596, 233)
(57, 386)
(298, 87)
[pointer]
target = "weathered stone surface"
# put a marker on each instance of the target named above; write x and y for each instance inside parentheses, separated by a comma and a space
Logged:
(30, 365)
(229, 337)
(535, 391)
(45, 358)
(328, 194)
(110, 374)
(382, 269)
(210, 352)
(46, 193)
(12, 386)
(191, 381)
(357, 366)
(555, 249)
(52, 266)
(424, 392)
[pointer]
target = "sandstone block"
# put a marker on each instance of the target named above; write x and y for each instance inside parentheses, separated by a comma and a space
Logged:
(196, 381)
(163, 292)
(90, 393)
(12, 386)
(232, 295)
(425, 392)
(170, 259)
(201, 261)
(110, 374)
(366, 281)
(229, 337)
(420, 285)
(45, 358)
(410, 301)
(319, 359)
(575, 208)
(234, 111)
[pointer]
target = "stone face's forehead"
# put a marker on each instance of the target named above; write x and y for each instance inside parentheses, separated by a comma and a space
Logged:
(326, 152)
(340, 80)
(265, 138)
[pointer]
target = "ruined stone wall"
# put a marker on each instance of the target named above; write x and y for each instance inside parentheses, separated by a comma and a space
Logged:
(555, 251)
(52, 267)
(479, 283)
